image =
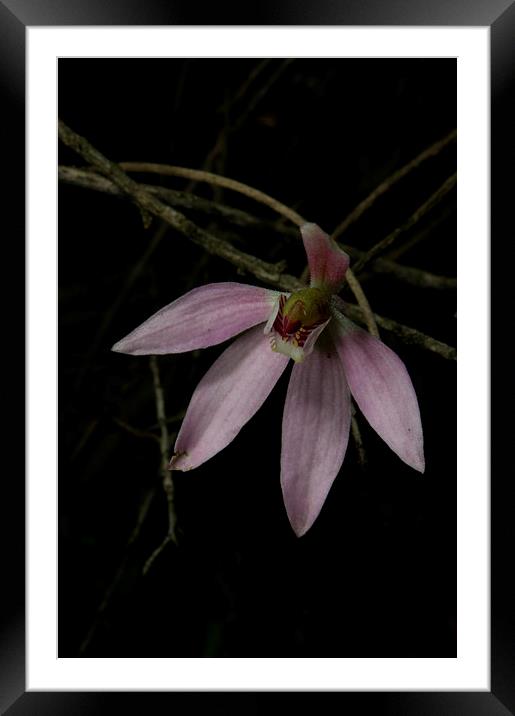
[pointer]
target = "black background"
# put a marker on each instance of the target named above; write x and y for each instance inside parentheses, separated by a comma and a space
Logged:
(376, 575)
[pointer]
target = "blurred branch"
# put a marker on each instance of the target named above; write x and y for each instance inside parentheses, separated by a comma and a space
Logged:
(408, 274)
(413, 276)
(242, 90)
(388, 183)
(424, 232)
(264, 271)
(172, 420)
(142, 515)
(233, 126)
(417, 215)
(261, 93)
(121, 295)
(136, 431)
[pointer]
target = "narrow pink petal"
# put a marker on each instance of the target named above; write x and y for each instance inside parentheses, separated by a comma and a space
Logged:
(382, 388)
(316, 423)
(327, 262)
(203, 317)
(232, 390)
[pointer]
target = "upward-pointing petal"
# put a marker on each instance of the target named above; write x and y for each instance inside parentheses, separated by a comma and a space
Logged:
(382, 388)
(316, 423)
(232, 390)
(327, 262)
(203, 317)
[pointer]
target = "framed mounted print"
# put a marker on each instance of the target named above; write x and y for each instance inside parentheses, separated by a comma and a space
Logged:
(258, 352)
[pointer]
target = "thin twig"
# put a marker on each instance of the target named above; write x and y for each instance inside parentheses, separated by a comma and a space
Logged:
(264, 271)
(170, 421)
(220, 145)
(145, 434)
(262, 198)
(426, 231)
(166, 474)
(358, 440)
(261, 93)
(142, 516)
(217, 180)
(356, 289)
(246, 84)
(417, 215)
(408, 274)
(152, 205)
(405, 333)
(390, 181)
(157, 552)
(121, 295)
(88, 179)
(164, 445)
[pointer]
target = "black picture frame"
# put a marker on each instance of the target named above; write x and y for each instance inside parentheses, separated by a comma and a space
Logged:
(15, 17)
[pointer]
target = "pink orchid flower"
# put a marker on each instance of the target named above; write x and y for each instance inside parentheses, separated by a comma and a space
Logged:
(333, 359)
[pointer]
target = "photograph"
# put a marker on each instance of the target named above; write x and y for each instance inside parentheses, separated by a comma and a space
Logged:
(257, 391)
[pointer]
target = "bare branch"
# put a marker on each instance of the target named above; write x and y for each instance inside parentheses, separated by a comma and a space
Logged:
(390, 181)
(164, 445)
(266, 272)
(145, 434)
(217, 180)
(152, 205)
(422, 210)
(88, 179)
(405, 333)
(408, 274)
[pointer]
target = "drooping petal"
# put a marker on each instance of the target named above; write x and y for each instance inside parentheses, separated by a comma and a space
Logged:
(382, 388)
(203, 317)
(327, 262)
(316, 422)
(227, 397)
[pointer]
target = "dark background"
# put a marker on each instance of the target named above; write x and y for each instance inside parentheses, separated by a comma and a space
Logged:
(376, 575)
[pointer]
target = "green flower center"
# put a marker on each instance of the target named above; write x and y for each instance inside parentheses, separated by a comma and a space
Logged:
(299, 321)
(306, 308)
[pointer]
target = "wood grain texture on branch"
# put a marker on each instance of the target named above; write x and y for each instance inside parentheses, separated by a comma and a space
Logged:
(262, 198)
(270, 274)
(151, 205)
(148, 202)
(216, 180)
(88, 179)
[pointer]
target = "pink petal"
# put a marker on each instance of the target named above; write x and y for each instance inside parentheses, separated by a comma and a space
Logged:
(382, 388)
(232, 390)
(327, 262)
(316, 423)
(203, 317)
